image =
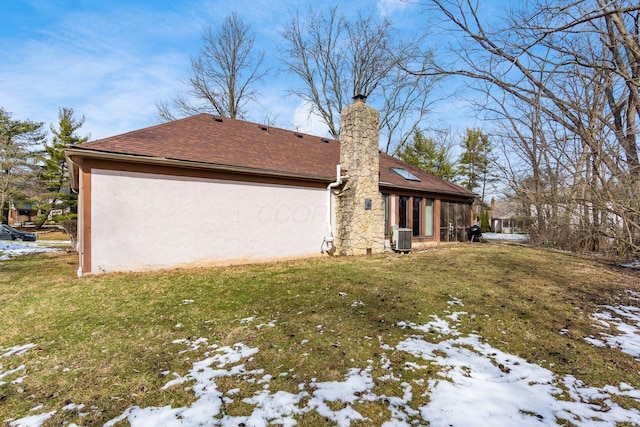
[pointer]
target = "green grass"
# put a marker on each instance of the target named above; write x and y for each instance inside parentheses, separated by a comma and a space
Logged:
(103, 341)
(52, 234)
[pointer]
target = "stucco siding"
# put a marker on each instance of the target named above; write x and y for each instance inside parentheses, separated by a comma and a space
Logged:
(148, 221)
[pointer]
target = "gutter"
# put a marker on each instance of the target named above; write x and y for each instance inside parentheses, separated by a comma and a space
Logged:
(421, 190)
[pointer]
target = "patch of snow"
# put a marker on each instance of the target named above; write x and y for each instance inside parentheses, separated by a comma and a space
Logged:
(626, 321)
(358, 382)
(481, 383)
(506, 236)
(271, 324)
(455, 301)
(73, 407)
(10, 249)
(438, 325)
(633, 264)
(193, 344)
(11, 371)
(32, 420)
(476, 385)
(16, 350)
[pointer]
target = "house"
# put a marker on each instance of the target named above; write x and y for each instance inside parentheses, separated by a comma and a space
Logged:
(20, 215)
(207, 190)
(505, 217)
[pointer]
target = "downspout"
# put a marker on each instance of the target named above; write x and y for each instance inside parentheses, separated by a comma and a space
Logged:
(327, 243)
(80, 222)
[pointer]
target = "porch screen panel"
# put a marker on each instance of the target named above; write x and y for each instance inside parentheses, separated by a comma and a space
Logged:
(454, 221)
(444, 221)
(461, 222)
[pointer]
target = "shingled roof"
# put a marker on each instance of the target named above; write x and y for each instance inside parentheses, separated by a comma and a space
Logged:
(214, 141)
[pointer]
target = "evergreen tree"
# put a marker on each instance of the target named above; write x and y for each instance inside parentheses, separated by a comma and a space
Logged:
(18, 140)
(429, 155)
(485, 221)
(56, 172)
(475, 161)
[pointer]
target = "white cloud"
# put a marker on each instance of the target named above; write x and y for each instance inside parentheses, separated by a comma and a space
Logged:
(387, 7)
(307, 122)
(107, 67)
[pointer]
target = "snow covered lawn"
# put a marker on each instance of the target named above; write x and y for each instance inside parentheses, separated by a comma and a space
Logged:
(471, 335)
(476, 385)
(10, 249)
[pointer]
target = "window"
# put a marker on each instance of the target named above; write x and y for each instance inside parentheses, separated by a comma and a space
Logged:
(403, 221)
(428, 218)
(405, 174)
(417, 216)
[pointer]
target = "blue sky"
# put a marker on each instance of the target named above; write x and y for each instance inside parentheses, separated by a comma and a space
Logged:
(111, 61)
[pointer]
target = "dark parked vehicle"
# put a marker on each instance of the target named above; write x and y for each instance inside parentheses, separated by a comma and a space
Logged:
(10, 233)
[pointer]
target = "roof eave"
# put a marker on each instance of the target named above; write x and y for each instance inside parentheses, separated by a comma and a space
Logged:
(422, 190)
(73, 154)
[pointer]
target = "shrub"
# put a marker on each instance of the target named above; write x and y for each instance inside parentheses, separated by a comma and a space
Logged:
(71, 228)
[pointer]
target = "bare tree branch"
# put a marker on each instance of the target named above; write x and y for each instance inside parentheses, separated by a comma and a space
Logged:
(224, 74)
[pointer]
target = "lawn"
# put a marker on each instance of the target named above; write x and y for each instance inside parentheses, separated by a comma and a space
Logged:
(404, 339)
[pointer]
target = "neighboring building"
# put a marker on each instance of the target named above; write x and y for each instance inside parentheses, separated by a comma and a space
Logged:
(20, 215)
(505, 217)
(207, 189)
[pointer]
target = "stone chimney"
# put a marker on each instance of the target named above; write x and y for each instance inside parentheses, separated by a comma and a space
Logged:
(360, 207)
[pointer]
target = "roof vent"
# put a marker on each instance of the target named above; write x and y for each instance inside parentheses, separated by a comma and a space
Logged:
(325, 140)
(264, 128)
(218, 119)
(299, 135)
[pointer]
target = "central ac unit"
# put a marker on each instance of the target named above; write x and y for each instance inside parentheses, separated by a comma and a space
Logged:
(402, 239)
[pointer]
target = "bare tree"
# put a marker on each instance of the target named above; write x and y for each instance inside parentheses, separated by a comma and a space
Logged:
(337, 58)
(224, 75)
(577, 66)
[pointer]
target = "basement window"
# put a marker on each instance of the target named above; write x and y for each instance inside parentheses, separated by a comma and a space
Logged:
(406, 174)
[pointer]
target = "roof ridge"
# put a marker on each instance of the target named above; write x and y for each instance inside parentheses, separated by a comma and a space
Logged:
(145, 129)
(222, 119)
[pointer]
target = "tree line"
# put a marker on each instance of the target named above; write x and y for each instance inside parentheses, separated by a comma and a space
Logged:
(560, 81)
(34, 170)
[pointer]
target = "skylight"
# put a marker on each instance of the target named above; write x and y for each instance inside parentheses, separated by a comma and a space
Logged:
(405, 174)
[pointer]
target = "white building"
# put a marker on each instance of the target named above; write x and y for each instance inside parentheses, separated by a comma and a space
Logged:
(207, 190)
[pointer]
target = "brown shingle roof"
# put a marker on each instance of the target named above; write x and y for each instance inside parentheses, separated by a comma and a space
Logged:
(428, 182)
(225, 142)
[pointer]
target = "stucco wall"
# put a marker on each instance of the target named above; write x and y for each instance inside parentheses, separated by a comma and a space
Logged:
(143, 221)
